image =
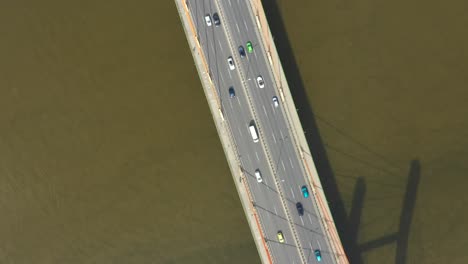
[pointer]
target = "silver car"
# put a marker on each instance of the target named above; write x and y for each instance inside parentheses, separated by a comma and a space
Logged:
(260, 81)
(231, 63)
(275, 101)
(208, 20)
(258, 175)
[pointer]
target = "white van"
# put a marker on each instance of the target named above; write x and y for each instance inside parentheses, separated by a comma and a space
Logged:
(253, 132)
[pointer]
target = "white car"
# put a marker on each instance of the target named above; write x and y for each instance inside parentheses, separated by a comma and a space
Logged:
(258, 175)
(231, 63)
(208, 20)
(275, 101)
(260, 81)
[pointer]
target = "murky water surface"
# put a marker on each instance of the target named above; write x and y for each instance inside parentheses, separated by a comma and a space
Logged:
(108, 152)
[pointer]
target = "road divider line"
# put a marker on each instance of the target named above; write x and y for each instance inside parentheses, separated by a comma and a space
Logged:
(264, 33)
(228, 142)
(262, 139)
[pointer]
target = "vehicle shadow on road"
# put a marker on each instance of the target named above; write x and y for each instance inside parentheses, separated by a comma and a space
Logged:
(348, 226)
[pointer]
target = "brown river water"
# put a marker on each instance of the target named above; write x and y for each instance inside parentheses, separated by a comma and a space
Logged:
(108, 151)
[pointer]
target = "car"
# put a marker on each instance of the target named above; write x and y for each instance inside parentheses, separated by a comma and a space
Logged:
(231, 63)
(258, 175)
(216, 20)
(260, 81)
(249, 47)
(275, 101)
(318, 255)
(208, 20)
(241, 51)
(305, 192)
(232, 93)
(300, 208)
(280, 236)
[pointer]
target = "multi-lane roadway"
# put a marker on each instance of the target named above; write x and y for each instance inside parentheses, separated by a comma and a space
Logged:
(276, 196)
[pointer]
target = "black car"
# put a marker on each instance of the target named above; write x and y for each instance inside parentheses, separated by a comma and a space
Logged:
(300, 209)
(232, 93)
(242, 51)
(216, 20)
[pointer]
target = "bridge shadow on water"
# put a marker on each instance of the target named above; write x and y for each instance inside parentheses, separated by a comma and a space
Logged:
(348, 226)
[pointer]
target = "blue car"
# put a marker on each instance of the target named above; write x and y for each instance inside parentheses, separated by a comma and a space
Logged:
(318, 255)
(241, 51)
(232, 93)
(305, 192)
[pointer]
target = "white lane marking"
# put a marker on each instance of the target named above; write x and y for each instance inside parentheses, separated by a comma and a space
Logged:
(255, 54)
(221, 46)
(302, 221)
(310, 219)
(229, 71)
(294, 197)
(238, 101)
(319, 245)
(291, 163)
(276, 212)
(311, 247)
(246, 28)
(264, 110)
(237, 26)
(256, 154)
(230, 102)
(230, 3)
(274, 138)
(221, 77)
(284, 168)
(281, 133)
(240, 131)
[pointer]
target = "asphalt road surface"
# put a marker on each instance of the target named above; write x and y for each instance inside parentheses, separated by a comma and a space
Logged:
(274, 155)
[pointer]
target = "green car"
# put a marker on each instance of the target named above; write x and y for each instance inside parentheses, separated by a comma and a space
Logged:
(249, 47)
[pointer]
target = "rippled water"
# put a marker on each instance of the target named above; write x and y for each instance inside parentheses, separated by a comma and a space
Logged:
(109, 153)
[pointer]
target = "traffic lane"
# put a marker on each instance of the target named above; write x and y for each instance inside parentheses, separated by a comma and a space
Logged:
(263, 127)
(296, 180)
(285, 252)
(210, 42)
(290, 257)
(274, 224)
(276, 119)
(274, 227)
(215, 56)
(268, 206)
(263, 200)
(258, 151)
(292, 172)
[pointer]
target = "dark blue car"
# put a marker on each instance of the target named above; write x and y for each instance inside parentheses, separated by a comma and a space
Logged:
(232, 93)
(241, 51)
